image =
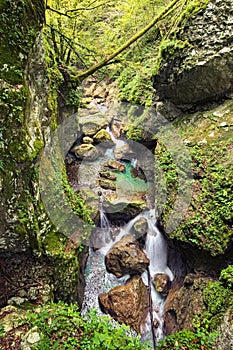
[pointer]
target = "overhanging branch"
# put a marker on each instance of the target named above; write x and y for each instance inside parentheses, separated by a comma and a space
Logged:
(129, 42)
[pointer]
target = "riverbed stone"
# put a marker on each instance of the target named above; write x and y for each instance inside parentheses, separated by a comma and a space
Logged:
(108, 175)
(86, 151)
(87, 139)
(107, 184)
(122, 208)
(126, 303)
(115, 165)
(140, 226)
(126, 257)
(161, 283)
(92, 123)
(103, 138)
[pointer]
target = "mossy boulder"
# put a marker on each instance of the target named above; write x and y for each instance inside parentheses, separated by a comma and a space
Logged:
(196, 61)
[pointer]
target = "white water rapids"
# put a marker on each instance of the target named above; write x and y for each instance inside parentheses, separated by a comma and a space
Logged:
(98, 280)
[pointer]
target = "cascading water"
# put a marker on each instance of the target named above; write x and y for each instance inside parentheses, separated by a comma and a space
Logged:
(98, 280)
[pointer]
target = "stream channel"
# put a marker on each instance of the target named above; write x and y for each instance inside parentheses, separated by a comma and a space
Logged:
(98, 279)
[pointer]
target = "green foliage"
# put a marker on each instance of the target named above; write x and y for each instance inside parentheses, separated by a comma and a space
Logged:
(226, 276)
(134, 133)
(217, 297)
(62, 327)
(188, 340)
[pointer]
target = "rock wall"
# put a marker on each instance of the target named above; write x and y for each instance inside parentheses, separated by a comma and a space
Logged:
(26, 233)
(202, 70)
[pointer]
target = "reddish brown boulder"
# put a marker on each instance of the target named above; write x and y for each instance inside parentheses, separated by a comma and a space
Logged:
(126, 257)
(126, 304)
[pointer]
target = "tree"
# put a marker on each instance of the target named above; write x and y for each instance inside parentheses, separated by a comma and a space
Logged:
(85, 33)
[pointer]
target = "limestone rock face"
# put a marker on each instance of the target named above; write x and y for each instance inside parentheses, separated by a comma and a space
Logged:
(225, 340)
(202, 71)
(126, 304)
(126, 257)
(161, 283)
(183, 304)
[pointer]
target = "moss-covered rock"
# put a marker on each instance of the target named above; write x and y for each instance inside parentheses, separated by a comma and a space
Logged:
(196, 59)
(208, 220)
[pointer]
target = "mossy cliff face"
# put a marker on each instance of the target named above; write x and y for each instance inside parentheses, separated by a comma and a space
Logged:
(22, 134)
(26, 124)
(207, 224)
(200, 70)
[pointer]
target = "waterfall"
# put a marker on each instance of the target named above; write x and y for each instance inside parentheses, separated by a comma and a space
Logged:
(156, 250)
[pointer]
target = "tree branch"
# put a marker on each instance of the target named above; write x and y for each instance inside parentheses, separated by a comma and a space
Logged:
(129, 42)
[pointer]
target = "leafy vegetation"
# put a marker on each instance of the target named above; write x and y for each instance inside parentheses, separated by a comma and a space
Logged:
(62, 327)
(226, 276)
(188, 340)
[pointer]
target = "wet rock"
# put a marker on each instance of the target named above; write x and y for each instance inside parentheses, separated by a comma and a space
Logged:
(121, 208)
(161, 283)
(140, 226)
(92, 123)
(104, 138)
(113, 164)
(126, 303)
(86, 151)
(107, 184)
(108, 175)
(124, 152)
(87, 139)
(137, 173)
(126, 257)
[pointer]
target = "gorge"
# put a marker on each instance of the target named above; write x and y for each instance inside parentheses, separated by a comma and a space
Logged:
(166, 173)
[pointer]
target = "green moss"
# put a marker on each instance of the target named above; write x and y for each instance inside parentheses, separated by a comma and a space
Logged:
(207, 222)
(218, 300)
(134, 133)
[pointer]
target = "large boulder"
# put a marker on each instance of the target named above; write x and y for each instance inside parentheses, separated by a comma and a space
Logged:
(126, 257)
(91, 123)
(202, 70)
(185, 302)
(126, 304)
(122, 208)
